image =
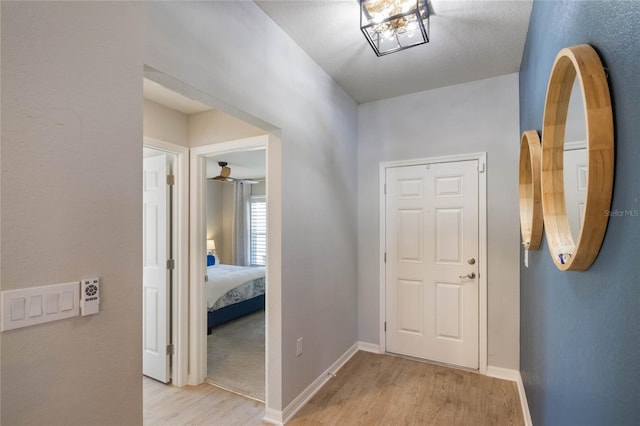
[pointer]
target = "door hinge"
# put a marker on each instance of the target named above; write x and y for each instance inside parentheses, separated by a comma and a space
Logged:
(385, 326)
(171, 264)
(206, 278)
(169, 349)
(481, 168)
(385, 258)
(385, 189)
(171, 179)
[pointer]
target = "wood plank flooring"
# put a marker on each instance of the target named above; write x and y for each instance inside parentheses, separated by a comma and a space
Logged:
(386, 390)
(369, 390)
(197, 405)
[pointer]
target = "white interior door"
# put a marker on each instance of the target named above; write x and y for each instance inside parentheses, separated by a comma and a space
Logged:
(431, 214)
(155, 280)
(575, 187)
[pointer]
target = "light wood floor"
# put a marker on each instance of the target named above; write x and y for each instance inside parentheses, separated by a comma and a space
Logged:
(197, 405)
(369, 390)
(385, 390)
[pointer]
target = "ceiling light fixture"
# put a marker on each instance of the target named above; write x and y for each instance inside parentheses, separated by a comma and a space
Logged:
(394, 25)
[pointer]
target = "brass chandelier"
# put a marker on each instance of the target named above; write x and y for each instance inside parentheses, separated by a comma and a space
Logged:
(394, 25)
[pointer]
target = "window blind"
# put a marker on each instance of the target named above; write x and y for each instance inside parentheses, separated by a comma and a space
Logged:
(258, 239)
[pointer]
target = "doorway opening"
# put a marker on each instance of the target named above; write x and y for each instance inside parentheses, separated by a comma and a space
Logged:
(195, 119)
(236, 235)
(257, 252)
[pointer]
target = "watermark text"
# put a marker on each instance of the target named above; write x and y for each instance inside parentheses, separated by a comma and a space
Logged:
(622, 213)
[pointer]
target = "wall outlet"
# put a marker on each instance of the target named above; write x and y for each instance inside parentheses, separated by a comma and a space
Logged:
(299, 347)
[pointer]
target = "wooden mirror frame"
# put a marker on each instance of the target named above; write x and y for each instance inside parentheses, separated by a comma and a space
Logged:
(530, 188)
(582, 62)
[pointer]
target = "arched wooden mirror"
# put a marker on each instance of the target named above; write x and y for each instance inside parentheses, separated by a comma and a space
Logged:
(529, 185)
(582, 65)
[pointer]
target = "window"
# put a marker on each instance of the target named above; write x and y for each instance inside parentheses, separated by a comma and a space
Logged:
(258, 237)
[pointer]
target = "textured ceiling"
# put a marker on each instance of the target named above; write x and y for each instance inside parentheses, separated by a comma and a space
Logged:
(469, 40)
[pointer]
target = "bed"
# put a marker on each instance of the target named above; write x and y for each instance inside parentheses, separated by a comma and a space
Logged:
(232, 292)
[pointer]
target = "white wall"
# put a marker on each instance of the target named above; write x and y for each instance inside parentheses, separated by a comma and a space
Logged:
(259, 188)
(169, 125)
(472, 117)
(275, 81)
(165, 124)
(214, 126)
(71, 165)
(71, 207)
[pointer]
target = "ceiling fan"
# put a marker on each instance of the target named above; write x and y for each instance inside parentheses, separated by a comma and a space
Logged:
(225, 175)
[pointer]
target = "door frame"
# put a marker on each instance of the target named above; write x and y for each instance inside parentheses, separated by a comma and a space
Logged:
(180, 275)
(481, 157)
(197, 302)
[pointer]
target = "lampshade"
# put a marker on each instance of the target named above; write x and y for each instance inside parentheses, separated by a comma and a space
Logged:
(211, 245)
(393, 25)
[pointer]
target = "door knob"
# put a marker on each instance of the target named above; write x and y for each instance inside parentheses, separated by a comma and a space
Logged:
(469, 275)
(471, 261)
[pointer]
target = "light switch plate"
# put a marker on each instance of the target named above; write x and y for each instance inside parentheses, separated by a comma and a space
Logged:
(36, 305)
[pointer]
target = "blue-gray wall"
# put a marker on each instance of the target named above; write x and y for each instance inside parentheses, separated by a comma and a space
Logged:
(580, 331)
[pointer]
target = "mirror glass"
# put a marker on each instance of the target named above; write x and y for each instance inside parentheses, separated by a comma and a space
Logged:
(575, 161)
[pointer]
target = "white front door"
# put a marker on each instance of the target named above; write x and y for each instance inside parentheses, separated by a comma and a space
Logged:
(575, 187)
(431, 214)
(155, 277)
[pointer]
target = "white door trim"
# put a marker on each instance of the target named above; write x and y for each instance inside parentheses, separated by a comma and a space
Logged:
(481, 157)
(197, 302)
(180, 277)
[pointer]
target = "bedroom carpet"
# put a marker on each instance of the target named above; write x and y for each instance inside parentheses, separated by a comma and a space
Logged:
(235, 356)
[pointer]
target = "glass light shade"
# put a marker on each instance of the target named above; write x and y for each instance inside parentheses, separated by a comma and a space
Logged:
(211, 245)
(393, 25)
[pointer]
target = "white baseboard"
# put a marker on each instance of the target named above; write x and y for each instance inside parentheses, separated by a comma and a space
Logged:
(272, 416)
(503, 373)
(281, 417)
(369, 347)
(523, 401)
(513, 376)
